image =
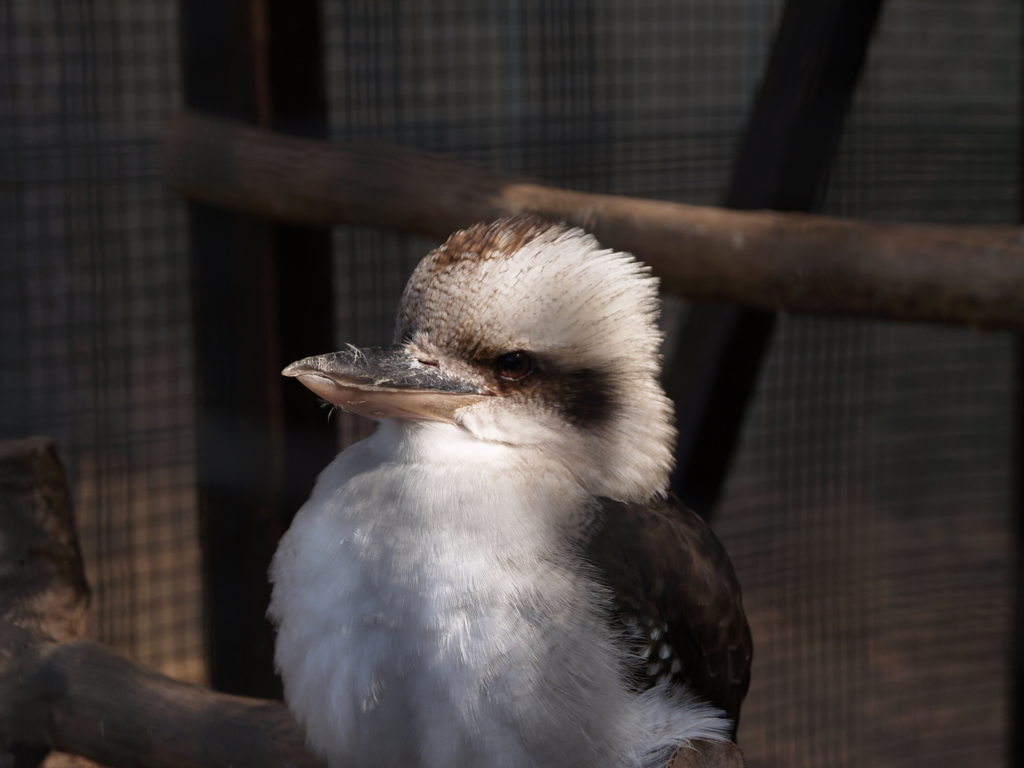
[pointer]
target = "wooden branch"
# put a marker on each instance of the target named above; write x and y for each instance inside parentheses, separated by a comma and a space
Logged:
(60, 692)
(43, 593)
(971, 275)
(84, 699)
(42, 579)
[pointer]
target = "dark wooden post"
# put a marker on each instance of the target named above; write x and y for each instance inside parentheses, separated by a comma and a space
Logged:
(1016, 716)
(262, 298)
(782, 164)
(43, 593)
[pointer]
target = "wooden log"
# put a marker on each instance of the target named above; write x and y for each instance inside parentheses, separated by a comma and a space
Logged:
(969, 275)
(60, 692)
(84, 699)
(44, 597)
(42, 579)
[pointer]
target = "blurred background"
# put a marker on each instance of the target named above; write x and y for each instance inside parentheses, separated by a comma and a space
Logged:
(869, 504)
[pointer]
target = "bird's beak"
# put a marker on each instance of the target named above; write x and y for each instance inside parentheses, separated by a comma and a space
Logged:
(385, 383)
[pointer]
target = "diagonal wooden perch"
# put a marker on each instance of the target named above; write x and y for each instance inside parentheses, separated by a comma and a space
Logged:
(969, 275)
(62, 692)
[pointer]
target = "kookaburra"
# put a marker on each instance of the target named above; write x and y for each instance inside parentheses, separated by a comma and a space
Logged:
(498, 576)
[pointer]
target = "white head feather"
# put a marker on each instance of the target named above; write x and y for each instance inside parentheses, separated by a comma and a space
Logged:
(588, 318)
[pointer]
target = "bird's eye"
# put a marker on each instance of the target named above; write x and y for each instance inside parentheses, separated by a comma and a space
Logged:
(513, 365)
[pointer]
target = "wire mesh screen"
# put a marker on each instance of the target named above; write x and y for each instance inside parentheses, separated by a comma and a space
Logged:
(868, 515)
(95, 342)
(641, 98)
(868, 510)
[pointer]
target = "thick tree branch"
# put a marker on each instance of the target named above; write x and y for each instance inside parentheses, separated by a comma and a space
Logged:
(84, 699)
(44, 597)
(57, 691)
(793, 262)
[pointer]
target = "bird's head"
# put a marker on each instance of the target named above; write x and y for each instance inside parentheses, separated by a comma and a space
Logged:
(525, 333)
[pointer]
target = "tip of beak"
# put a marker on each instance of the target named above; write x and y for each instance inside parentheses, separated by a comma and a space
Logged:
(295, 368)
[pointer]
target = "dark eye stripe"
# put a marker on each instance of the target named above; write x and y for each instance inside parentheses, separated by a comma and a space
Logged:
(586, 396)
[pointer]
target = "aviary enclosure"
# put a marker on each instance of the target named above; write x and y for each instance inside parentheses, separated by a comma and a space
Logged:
(851, 440)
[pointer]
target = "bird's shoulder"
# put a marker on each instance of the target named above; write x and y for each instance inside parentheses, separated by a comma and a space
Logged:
(675, 591)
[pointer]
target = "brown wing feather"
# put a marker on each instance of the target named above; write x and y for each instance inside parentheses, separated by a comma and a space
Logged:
(676, 591)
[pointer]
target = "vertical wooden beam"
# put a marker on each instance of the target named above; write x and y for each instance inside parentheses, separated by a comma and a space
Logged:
(1016, 715)
(304, 274)
(782, 163)
(261, 298)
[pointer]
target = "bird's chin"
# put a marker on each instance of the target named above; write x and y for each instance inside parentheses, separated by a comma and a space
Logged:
(493, 423)
(383, 403)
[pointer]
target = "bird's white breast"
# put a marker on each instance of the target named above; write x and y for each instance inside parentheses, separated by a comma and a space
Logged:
(428, 615)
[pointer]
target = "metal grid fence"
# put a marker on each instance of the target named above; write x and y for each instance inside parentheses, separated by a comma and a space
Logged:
(868, 509)
(95, 348)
